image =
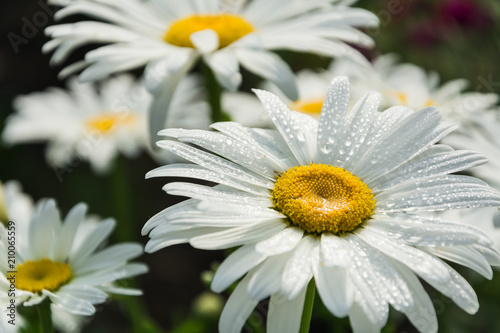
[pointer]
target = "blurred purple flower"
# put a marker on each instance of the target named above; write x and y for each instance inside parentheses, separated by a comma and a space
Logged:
(465, 13)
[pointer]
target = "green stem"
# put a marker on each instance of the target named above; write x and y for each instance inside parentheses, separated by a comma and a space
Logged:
(45, 317)
(122, 202)
(214, 93)
(126, 231)
(308, 307)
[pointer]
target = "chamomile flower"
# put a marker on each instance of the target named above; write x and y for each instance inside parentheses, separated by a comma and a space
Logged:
(169, 37)
(482, 135)
(95, 123)
(344, 200)
(66, 261)
(410, 85)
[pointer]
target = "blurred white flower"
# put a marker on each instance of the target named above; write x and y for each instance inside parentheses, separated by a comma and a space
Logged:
(344, 200)
(96, 122)
(66, 262)
(171, 36)
(410, 85)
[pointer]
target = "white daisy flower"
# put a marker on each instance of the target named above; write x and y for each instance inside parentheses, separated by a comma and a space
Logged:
(18, 207)
(343, 200)
(97, 122)
(410, 85)
(482, 135)
(170, 36)
(246, 109)
(66, 261)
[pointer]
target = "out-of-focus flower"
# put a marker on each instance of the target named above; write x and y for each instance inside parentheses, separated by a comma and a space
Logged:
(170, 36)
(96, 122)
(465, 13)
(66, 262)
(345, 200)
(482, 135)
(410, 85)
(81, 123)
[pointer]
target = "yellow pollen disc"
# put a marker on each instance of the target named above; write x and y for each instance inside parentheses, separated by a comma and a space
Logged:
(228, 27)
(106, 122)
(402, 98)
(323, 198)
(45, 274)
(429, 102)
(312, 107)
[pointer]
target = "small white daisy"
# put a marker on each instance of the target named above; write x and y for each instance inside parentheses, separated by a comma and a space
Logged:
(410, 85)
(96, 122)
(66, 261)
(344, 200)
(171, 36)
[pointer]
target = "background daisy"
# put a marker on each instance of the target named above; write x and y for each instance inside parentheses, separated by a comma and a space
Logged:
(169, 37)
(66, 262)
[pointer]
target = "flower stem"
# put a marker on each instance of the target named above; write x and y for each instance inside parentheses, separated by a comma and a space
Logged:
(214, 93)
(308, 307)
(45, 317)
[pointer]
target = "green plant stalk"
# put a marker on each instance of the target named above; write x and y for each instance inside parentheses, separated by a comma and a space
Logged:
(308, 307)
(45, 317)
(214, 93)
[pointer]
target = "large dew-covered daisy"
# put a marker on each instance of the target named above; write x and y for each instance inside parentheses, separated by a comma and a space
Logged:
(410, 85)
(344, 200)
(170, 36)
(66, 262)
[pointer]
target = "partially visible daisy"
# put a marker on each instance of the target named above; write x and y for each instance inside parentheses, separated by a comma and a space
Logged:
(67, 263)
(247, 110)
(96, 122)
(410, 85)
(482, 135)
(343, 200)
(169, 37)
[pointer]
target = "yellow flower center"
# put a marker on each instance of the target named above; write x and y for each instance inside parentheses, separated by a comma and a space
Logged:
(45, 274)
(228, 27)
(323, 198)
(311, 107)
(403, 99)
(107, 122)
(430, 102)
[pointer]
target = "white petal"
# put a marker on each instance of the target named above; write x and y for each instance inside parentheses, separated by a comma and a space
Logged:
(267, 278)
(287, 123)
(270, 67)
(298, 270)
(205, 41)
(238, 308)
(332, 117)
(93, 240)
(237, 236)
(285, 315)
(226, 69)
(422, 315)
(334, 288)
(235, 266)
(284, 241)
(465, 256)
(360, 322)
(44, 224)
(67, 232)
(71, 304)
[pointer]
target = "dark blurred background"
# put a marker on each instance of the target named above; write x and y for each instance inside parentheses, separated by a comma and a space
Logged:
(456, 38)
